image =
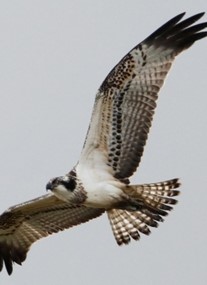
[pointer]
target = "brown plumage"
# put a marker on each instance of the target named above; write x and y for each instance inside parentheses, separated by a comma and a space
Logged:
(118, 131)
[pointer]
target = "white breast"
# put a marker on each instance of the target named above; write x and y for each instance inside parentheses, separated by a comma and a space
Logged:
(103, 190)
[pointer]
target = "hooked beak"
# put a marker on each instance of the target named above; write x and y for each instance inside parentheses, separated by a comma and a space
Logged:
(49, 186)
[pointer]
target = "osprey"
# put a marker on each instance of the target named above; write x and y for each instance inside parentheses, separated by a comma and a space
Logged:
(119, 127)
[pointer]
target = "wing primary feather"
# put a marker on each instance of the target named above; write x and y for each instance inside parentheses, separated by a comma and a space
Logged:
(173, 26)
(178, 35)
(166, 27)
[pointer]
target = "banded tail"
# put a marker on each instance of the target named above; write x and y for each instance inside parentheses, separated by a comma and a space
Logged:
(155, 200)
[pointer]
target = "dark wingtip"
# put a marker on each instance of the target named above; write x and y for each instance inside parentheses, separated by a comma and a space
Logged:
(195, 17)
(9, 268)
(172, 22)
(178, 34)
(8, 264)
(10, 255)
(200, 15)
(176, 19)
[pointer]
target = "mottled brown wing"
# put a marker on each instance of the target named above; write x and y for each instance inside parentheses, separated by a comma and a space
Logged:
(126, 100)
(22, 225)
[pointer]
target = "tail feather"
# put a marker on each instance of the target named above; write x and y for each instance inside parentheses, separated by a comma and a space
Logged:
(165, 188)
(155, 200)
(156, 196)
(121, 228)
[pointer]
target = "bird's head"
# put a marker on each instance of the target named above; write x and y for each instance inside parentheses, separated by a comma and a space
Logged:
(62, 186)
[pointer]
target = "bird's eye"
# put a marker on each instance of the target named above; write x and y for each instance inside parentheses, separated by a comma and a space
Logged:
(50, 185)
(69, 184)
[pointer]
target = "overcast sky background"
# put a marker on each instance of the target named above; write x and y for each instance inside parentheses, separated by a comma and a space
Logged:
(53, 57)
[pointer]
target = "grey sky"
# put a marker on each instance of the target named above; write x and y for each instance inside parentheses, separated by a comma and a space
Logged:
(53, 57)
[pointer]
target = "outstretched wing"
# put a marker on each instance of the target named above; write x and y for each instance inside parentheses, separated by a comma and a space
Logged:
(126, 101)
(22, 225)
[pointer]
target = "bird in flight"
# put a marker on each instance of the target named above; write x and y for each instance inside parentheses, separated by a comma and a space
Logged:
(99, 182)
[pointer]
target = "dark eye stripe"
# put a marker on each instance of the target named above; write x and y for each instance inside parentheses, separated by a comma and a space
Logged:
(70, 184)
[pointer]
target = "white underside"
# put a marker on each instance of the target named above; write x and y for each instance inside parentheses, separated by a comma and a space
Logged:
(103, 195)
(102, 189)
